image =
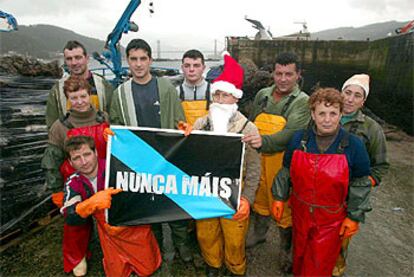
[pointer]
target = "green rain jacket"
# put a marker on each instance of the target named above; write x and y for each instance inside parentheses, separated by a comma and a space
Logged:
(123, 108)
(373, 137)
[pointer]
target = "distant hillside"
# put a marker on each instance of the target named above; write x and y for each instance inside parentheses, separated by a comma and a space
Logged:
(372, 31)
(47, 41)
(44, 41)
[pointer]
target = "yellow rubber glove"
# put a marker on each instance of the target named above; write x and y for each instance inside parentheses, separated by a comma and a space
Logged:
(277, 209)
(349, 228)
(99, 201)
(244, 210)
(57, 199)
(108, 132)
(186, 127)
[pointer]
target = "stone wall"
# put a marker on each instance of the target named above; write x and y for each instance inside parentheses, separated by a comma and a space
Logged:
(388, 61)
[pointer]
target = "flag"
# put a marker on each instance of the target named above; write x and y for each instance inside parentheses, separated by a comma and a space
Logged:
(166, 176)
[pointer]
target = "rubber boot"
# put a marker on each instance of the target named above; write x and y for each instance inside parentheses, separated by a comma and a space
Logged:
(180, 238)
(260, 227)
(285, 236)
(81, 268)
(227, 273)
(167, 253)
(212, 271)
(185, 252)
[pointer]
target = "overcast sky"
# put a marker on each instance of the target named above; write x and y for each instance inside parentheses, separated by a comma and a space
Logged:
(183, 24)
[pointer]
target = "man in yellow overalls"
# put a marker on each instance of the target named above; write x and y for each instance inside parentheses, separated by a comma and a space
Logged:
(278, 111)
(194, 92)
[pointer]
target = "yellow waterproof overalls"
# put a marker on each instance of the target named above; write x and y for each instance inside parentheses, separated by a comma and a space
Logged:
(271, 164)
(223, 239)
(194, 109)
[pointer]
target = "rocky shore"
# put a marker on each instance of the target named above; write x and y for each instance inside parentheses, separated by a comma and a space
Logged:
(29, 67)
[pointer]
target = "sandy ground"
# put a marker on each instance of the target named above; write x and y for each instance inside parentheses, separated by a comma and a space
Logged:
(383, 247)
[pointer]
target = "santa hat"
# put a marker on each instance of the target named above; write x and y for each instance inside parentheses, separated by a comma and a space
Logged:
(361, 80)
(231, 79)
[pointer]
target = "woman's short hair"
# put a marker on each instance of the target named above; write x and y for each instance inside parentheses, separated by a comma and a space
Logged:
(76, 83)
(329, 96)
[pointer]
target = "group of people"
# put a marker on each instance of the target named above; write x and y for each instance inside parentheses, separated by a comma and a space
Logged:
(310, 163)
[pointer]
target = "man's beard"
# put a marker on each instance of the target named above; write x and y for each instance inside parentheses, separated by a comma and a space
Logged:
(220, 115)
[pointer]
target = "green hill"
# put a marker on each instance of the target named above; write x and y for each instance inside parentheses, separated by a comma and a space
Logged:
(44, 41)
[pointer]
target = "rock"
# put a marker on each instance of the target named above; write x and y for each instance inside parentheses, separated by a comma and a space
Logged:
(254, 80)
(19, 65)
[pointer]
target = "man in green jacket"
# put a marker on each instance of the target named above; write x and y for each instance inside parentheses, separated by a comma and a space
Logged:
(148, 101)
(76, 59)
(278, 111)
(355, 91)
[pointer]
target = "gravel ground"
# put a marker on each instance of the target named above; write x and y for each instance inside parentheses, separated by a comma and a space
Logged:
(383, 247)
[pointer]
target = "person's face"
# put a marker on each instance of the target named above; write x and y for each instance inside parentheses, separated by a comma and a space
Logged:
(79, 100)
(354, 98)
(76, 61)
(326, 118)
(193, 69)
(84, 160)
(222, 97)
(285, 77)
(139, 63)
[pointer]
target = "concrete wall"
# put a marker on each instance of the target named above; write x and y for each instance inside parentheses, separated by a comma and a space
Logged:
(388, 61)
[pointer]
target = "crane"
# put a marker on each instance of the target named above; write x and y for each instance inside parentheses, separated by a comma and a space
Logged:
(409, 27)
(304, 27)
(262, 32)
(111, 49)
(7, 22)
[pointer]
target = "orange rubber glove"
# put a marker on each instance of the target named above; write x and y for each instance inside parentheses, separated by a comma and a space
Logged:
(349, 228)
(114, 231)
(108, 132)
(277, 209)
(373, 182)
(57, 199)
(186, 127)
(99, 201)
(244, 210)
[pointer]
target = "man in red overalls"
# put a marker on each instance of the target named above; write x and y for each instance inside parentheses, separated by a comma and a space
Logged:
(125, 249)
(328, 170)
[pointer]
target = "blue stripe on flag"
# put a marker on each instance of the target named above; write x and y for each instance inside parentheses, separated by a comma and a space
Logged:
(123, 144)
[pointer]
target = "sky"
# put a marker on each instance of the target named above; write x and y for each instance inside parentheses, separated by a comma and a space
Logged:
(184, 24)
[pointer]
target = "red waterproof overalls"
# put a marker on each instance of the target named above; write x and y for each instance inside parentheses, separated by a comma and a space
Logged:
(320, 187)
(133, 249)
(76, 238)
(125, 249)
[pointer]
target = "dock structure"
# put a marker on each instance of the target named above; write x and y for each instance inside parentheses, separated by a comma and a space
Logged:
(388, 61)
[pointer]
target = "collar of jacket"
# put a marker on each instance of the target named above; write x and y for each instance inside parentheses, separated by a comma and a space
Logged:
(85, 114)
(191, 86)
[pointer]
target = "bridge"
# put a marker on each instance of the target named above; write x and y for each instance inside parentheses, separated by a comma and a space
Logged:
(162, 53)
